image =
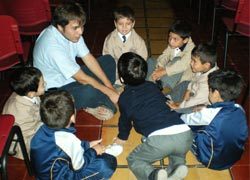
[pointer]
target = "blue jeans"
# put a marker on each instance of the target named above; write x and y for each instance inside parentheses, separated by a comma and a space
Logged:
(88, 96)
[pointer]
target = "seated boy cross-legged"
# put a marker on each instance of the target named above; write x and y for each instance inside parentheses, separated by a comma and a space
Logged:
(142, 106)
(56, 153)
(203, 62)
(220, 128)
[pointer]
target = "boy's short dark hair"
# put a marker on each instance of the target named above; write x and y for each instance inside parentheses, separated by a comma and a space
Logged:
(124, 11)
(67, 12)
(182, 28)
(206, 52)
(56, 109)
(132, 68)
(227, 82)
(25, 80)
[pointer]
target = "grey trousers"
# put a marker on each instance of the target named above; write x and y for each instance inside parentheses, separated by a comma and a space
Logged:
(167, 81)
(155, 148)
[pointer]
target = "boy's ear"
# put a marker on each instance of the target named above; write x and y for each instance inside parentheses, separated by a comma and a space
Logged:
(218, 97)
(207, 65)
(133, 25)
(60, 28)
(72, 119)
(115, 23)
(31, 94)
(185, 40)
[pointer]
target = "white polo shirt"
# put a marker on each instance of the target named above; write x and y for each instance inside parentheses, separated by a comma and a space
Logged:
(55, 56)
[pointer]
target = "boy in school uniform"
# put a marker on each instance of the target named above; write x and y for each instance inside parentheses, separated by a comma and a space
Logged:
(173, 65)
(142, 106)
(27, 85)
(220, 128)
(203, 62)
(56, 153)
(124, 38)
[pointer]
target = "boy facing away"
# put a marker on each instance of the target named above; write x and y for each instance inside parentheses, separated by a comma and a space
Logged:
(56, 153)
(27, 85)
(124, 38)
(142, 106)
(203, 62)
(223, 129)
(173, 65)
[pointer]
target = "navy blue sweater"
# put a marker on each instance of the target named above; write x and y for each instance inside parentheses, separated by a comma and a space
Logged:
(144, 107)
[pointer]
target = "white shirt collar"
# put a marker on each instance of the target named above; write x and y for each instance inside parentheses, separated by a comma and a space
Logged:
(34, 100)
(176, 51)
(127, 35)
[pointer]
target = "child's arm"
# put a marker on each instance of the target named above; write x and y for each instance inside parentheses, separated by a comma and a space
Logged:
(202, 117)
(179, 66)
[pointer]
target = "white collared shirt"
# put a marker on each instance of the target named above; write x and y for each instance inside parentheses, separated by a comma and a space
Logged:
(127, 36)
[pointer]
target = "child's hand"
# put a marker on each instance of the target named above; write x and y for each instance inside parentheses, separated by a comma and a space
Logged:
(198, 107)
(187, 95)
(158, 73)
(93, 143)
(119, 141)
(99, 148)
(173, 105)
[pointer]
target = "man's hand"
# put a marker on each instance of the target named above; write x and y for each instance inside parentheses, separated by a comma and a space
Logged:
(158, 73)
(173, 105)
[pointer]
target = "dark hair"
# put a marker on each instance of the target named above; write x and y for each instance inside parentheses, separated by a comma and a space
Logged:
(227, 82)
(206, 52)
(132, 68)
(124, 11)
(67, 12)
(56, 109)
(182, 28)
(25, 80)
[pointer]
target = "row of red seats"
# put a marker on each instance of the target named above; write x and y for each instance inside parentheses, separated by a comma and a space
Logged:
(26, 18)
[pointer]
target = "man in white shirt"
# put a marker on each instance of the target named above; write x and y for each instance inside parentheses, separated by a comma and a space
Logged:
(54, 54)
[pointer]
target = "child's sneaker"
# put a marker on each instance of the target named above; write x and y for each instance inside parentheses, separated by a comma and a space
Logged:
(100, 112)
(161, 174)
(179, 173)
(114, 149)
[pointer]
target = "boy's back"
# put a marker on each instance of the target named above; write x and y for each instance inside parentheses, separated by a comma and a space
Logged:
(56, 153)
(145, 106)
(223, 127)
(221, 143)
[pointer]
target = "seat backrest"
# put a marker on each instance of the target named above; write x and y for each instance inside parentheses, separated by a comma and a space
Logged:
(32, 15)
(10, 42)
(6, 123)
(242, 18)
(230, 4)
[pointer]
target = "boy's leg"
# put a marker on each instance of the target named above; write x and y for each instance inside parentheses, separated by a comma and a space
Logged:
(171, 81)
(183, 142)
(151, 67)
(178, 91)
(102, 167)
(155, 148)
